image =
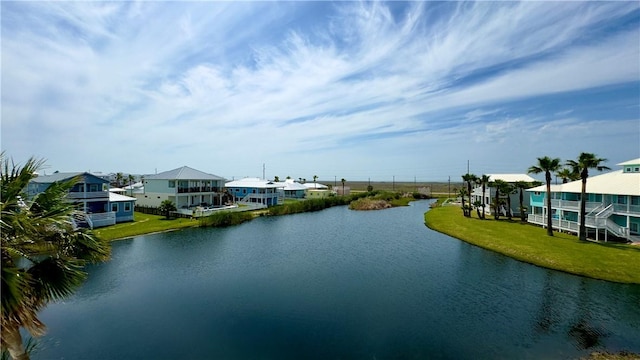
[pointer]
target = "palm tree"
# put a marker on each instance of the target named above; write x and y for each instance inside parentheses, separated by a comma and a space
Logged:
(131, 179)
(520, 186)
(567, 175)
(585, 162)
(276, 179)
(498, 185)
(469, 178)
(167, 207)
(483, 181)
(477, 205)
(119, 178)
(547, 165)
(463, 193)
(42, 252)
(315, 177)
(508, 189)
(343, 181)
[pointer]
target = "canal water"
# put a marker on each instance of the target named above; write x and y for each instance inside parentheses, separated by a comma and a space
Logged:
(334, 284)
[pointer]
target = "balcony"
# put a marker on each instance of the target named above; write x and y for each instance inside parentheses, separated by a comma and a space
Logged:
(88, 195)
(197, 189)
(102, 219)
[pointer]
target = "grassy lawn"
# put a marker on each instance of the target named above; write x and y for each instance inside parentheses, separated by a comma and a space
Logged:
(143, 224)
(529, 243)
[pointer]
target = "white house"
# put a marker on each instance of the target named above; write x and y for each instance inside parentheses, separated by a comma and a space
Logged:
(612, 204)
(490, 192)
(186, 187)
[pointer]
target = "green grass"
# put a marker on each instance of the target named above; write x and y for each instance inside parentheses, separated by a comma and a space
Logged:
(143, 224)
(529, 243)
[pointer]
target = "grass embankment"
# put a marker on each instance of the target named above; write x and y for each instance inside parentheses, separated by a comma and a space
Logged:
(143, 224)
(529, 243)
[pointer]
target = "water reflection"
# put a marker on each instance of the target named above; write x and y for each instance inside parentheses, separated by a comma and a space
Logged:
(583, 331)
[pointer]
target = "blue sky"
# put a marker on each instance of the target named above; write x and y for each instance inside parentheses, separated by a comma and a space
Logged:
(352, 90)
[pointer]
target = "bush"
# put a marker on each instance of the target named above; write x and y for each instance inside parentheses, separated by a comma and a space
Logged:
(225, 218)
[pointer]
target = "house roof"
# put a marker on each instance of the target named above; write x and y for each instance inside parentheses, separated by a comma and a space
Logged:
(290, 184)
(184, 173)
(114, 197)
(612, 183)
(63, 176)
(630, 162)
(116, 189)
(511, 178)
(254, 183)
(134, 186)
(315, 186)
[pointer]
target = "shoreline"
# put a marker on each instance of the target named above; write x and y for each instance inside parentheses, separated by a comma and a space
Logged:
(527, 243)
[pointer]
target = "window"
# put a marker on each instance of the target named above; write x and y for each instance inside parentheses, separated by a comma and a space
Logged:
(537, 193)
(93, 187)
(127, 206)
(622, 199)
(636, 169)
(114, 207)
(172, 184)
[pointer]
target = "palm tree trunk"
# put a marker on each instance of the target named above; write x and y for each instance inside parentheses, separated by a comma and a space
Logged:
(470, 202)
(549, 219)
(13, 340)
(496, 212)
(521, 207)
(464, 208)
(583, 211)
(509, 206)
(483, 202)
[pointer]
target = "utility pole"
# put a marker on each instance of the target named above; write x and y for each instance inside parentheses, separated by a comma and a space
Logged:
(449, 194)
(263, 173)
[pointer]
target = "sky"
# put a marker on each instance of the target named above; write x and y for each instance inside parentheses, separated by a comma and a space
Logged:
(413, 91)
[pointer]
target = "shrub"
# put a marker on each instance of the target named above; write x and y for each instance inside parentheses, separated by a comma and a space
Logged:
(225, 218)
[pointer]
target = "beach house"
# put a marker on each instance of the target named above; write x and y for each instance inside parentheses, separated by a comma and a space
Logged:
(186, 187)
(91, 194)
(612, 204)
(293, 189)
(256, 192)
(490, 193)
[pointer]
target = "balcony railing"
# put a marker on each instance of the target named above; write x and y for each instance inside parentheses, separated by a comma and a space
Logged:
(102, 219)
(197, 189)
(573, 205)
(624, 208)
(573, 226)
(88, 195)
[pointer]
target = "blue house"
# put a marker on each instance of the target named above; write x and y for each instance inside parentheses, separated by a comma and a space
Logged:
(91, 196)
(256, 192)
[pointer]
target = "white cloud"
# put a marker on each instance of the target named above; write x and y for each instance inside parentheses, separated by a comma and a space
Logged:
(224, 85)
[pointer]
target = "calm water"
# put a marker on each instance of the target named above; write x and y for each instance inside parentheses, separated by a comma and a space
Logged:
(333, 284)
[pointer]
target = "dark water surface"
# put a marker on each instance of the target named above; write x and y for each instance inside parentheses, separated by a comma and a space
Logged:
(333, 284)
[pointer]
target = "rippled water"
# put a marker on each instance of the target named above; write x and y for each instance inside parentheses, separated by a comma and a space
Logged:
(333, 284)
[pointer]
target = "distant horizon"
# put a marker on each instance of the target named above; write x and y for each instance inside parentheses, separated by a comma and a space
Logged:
(350, 89)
